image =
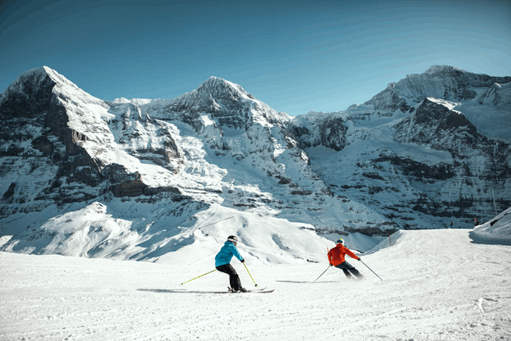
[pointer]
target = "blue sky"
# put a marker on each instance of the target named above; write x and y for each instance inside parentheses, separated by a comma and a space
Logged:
(296, 56)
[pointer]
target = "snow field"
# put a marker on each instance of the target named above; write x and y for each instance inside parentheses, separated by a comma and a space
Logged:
(438, 285)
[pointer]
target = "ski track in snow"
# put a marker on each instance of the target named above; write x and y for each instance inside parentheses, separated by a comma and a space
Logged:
(437, 285)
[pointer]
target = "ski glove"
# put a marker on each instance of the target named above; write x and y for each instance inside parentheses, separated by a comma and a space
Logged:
(243, 260)
(359, 259)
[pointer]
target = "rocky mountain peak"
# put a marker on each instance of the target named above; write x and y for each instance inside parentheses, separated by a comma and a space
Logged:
(38, 75)
(443, 70)
(228, 103)
(31, 84)
(221, 89)
(439, 81)
(27, 82)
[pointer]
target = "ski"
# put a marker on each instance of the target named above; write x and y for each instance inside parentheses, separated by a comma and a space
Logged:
(233, 293)
(184, 291)
(227, 292)
(261, 291)
(257, 291)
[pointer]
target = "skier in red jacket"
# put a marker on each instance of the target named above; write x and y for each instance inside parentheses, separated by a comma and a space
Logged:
(336, 258)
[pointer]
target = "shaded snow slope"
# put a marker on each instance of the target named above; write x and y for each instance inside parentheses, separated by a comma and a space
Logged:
(102, 231)
(438, 285)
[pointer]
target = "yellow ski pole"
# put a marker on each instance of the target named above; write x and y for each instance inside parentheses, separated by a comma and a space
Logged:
(249, 273)
(198, 277)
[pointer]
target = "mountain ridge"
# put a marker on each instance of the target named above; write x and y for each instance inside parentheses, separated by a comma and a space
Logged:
(398, 161)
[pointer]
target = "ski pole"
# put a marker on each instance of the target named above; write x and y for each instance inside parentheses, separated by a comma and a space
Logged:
(249, 273)
(215, 222)
(198, 277)
(322, 273)
(370, 269)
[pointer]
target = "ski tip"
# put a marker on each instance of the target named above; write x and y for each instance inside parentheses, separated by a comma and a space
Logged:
(262, 291)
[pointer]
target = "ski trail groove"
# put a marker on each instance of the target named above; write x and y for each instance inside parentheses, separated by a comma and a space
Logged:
(365, 321)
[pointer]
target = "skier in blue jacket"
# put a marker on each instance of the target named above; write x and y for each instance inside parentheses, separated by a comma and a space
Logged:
(223, 260)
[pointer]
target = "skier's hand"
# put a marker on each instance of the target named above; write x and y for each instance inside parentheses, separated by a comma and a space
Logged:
(243, 260)
(359, 259)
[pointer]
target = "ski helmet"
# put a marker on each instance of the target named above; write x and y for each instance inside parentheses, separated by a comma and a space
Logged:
(340, 241)
(232, 239)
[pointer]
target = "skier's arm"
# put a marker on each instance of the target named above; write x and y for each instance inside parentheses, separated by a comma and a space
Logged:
(237, 254)
(351, 254)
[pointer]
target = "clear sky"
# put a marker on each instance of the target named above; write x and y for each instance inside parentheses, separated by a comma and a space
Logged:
(296, 56)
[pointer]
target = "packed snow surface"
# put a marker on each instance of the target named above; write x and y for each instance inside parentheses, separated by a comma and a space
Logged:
(437, 285)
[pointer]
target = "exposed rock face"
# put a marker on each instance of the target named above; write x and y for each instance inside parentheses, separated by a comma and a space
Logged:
(451, 170)
(435, 124)
(36, 138)
(135, 130)
(497, 94)
(388, 101)
(229, 104)
(427, 150)
(474, 156)
(328, 131)
(123, 184)
(442, 82)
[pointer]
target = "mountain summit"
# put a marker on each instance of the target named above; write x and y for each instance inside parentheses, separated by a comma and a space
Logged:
(220, 88)
(439, 81)
(229, 103)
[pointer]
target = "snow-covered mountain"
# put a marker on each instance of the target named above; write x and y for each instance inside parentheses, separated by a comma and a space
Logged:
(429, 149)
(137, 178)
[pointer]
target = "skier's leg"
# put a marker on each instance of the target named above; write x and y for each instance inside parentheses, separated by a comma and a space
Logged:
(350, 268)
(234, 279)
(357, 273)
(354, 271)
(346, 272)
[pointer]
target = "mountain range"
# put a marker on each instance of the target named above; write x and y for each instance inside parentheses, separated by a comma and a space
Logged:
(137, 179)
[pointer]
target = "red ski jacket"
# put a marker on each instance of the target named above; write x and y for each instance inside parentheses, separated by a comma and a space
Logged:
(336, 255)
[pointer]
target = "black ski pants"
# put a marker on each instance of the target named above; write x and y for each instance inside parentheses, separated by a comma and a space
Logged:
(349, 269)
(234, 279)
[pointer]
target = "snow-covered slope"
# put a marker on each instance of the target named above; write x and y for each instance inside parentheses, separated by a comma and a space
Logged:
(437, 285)
(131, 179)
(108, 232)
(498, 228)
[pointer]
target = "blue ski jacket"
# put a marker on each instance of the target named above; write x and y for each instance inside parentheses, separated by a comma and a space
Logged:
(225, 254)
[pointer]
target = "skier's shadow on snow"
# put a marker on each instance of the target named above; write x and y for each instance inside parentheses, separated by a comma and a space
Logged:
(181, 291)
(165, 290)
(305, 282)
